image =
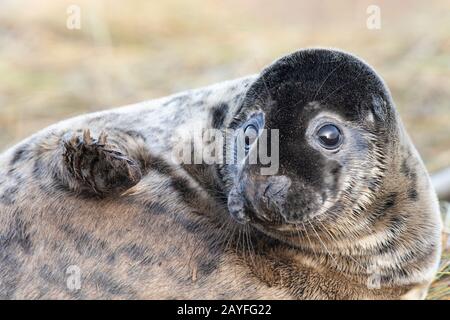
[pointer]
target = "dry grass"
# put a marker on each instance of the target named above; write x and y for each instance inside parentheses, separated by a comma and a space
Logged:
(128, 52)
(440, 289)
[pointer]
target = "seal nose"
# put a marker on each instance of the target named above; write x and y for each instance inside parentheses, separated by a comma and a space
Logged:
(264, 197)
(275, 193)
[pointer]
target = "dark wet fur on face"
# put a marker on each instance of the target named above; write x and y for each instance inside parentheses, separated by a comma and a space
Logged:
(290, 95)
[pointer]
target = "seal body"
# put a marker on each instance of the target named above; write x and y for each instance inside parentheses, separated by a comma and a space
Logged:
(100, 206)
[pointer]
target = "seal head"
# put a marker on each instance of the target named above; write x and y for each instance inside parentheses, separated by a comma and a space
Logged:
(349, 181)
(335, 121)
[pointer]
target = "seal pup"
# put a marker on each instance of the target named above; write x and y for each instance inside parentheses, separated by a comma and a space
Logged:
(96, 206)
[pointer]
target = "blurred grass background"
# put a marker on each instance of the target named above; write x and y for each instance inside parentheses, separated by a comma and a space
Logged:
(131, 51)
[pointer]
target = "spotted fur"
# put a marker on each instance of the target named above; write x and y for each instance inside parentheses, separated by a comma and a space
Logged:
(102, 192)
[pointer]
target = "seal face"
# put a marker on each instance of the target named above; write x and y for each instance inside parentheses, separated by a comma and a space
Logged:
(334, 136)
(344, 185)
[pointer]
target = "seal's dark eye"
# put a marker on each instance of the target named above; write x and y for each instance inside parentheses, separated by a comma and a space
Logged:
(329, 136)
(251, 134)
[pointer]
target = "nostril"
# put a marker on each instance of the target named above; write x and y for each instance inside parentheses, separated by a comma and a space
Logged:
(275, 194)
(267, 189)
(278, 186)
(279, 191)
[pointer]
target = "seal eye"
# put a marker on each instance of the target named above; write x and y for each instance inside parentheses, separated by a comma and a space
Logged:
(330, 136)
(251, 134)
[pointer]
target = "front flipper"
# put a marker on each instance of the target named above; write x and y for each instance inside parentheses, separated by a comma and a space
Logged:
(97, 167)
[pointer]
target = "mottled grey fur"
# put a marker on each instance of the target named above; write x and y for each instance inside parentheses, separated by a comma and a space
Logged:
(102, 192)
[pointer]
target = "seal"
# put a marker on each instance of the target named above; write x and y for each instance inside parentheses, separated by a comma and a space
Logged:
(350, 184)
(98, 206)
